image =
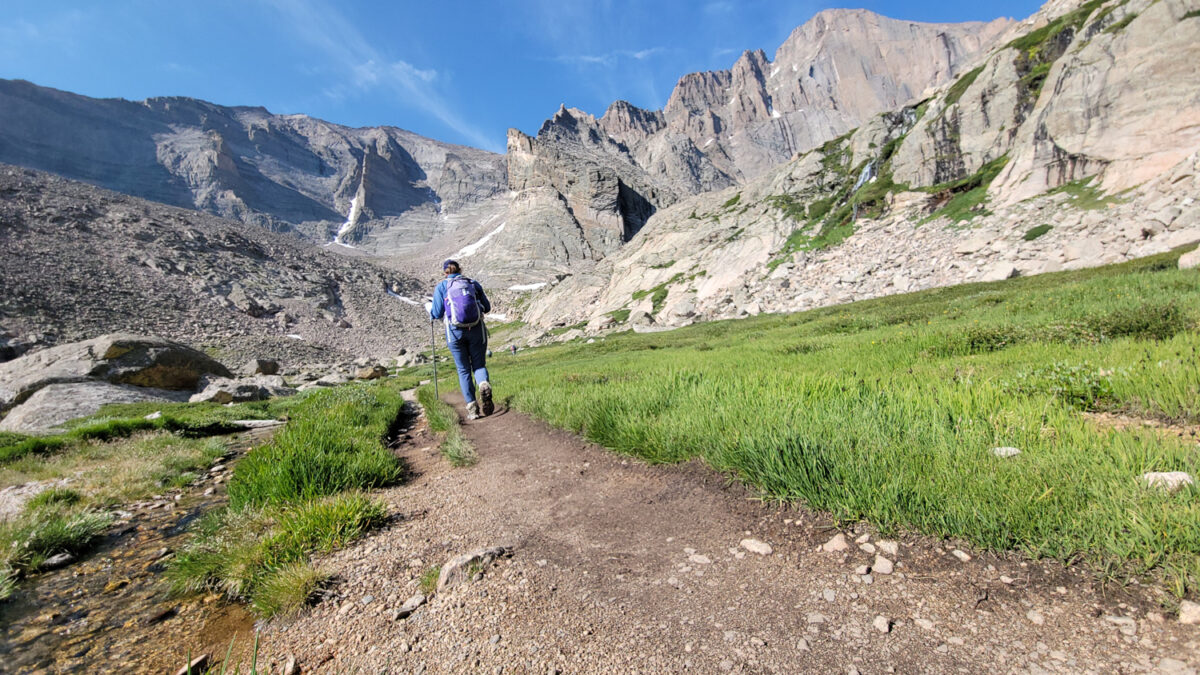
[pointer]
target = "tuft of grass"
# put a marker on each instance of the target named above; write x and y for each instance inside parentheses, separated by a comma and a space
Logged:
(240, 552)
(892, 420)
(428, 581)
(8, 582)
(37, 534)
(332, 443)
(963, 199)
(443, 419)
(288, 589)
(732, 201)
(1035, 232)
(54, 497)
(620, 315)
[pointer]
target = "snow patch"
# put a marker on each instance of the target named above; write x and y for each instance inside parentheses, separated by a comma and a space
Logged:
(773, 112)
(708, 142)
(795, 68)
(403, 299)
(474, 248)
(774, 72)
(527, 287)
(351, 220)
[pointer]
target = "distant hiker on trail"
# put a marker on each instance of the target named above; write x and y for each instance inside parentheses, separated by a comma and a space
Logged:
(461, 303)
(514, 349)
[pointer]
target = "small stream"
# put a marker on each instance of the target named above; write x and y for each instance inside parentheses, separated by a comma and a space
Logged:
(112, 611)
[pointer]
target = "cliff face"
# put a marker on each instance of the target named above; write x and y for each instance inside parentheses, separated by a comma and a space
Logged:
(831, 75)
(1074, 142)
(382, 189)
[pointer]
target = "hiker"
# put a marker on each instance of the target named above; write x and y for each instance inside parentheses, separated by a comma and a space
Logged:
(514, 349)
(461, 303)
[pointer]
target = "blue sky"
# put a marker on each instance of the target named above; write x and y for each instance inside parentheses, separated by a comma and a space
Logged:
(459, 71)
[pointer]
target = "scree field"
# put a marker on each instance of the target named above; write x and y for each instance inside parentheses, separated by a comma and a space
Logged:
(888, 410)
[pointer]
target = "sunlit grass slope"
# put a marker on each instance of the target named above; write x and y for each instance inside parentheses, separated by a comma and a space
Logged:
(887, 410)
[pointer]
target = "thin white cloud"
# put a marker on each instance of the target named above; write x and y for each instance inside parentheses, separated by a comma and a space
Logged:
(364, 68)
(611, 58)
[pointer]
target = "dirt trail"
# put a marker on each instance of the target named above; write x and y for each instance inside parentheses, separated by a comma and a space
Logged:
(623, 567)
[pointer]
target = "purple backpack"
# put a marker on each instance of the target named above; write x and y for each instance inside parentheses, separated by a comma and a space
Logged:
(462, 307)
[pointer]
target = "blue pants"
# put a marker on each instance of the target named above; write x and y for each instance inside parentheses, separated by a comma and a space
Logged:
(468, 346)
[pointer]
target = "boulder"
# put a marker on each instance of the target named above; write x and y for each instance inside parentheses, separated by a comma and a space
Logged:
(260, 367)
(371, 372)
(224, 390)
(640, 318)
(137, 360)
(52, 405)
(1183, 237)
(1189, 261)
(999, 272)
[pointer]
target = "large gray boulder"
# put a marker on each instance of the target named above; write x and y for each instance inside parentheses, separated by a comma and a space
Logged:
(48, 408)
(226, 390)
(120, 358)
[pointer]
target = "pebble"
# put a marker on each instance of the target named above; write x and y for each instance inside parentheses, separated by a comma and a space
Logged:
(829, 595)
(1127, 625)
(1036, 617)
(1189, 613)
(756, 546)
(802, 645)
(699, 559)
(861, 570)
(838, 543)
(924, 623)
(882, 624)
(1006, 579)
(889, 548)
(1006, 452)
(882, 565)
(1167, 480)
(961, 555)
(867, 548)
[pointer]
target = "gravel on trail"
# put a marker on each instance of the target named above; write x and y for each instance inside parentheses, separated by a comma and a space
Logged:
(619, 566)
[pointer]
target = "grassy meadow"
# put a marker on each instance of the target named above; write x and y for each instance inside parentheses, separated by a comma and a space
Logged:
(887, 410)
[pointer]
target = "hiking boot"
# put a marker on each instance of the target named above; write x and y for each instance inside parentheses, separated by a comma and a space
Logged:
(485, 397)
(472, 410)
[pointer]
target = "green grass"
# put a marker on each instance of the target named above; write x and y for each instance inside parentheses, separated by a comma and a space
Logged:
(1190, 15)
(295, 496)
(107, 473)
(44, 530)
(444, 420)
(732, 201)
(1084, 195)
(429, 579)
(620, 315)
(123, 420)
(886, 410)
(1035, 232)
(960, 86)
(657, 294)
(260, 555)
(965, 198)
(332, 443)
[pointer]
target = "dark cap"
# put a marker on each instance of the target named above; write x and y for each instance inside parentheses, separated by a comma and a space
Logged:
(449, 263)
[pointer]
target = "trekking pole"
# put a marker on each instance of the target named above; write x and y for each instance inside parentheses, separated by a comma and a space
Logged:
(433, 357)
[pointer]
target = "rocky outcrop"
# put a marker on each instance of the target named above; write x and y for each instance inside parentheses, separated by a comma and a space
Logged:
(126, 359)
(379, 188)
(228, 390)
(53, 405)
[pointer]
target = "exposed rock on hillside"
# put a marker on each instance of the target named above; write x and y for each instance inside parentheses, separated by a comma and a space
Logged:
(1075, 143)
(379, 188)
(77, 262)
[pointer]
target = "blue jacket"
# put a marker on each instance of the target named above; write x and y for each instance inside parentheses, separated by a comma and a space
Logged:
(438, 311)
